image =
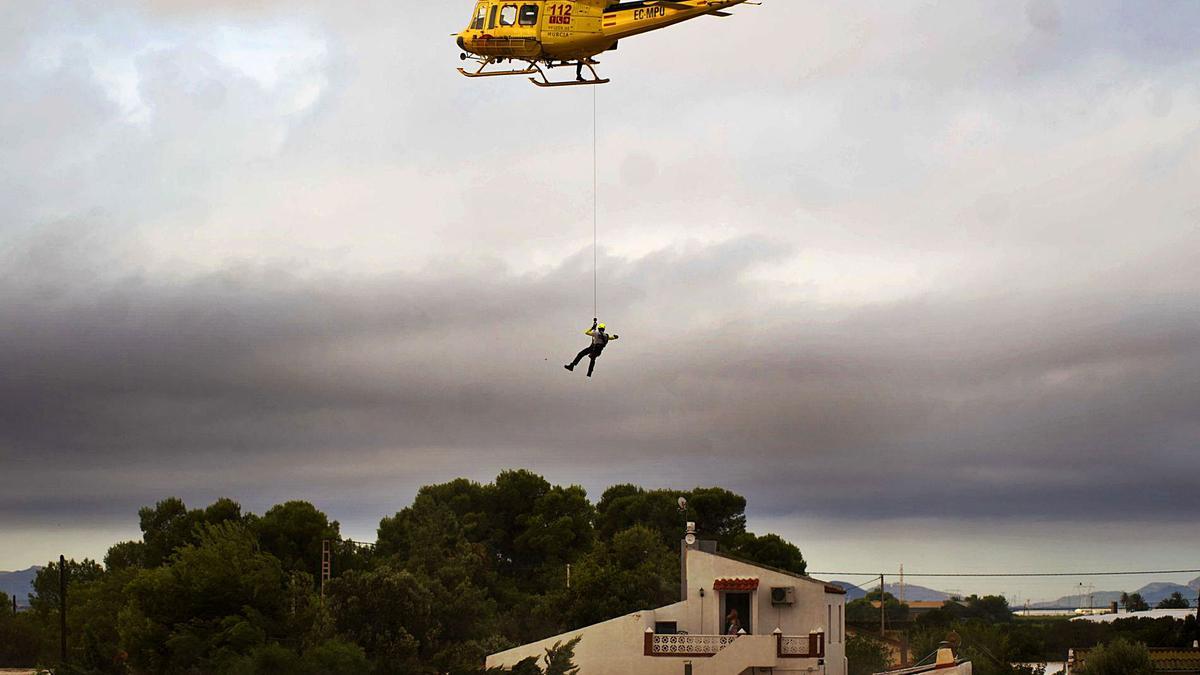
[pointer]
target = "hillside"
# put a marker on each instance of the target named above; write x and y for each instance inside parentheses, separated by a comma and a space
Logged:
(852, 592)
(1152, 593)
(918, 593)
(18, 584)
(911, 592)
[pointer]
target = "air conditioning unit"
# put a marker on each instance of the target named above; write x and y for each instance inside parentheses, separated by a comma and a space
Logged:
(783, 595)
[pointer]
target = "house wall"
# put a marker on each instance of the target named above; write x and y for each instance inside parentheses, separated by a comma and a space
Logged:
(610, 648)
(616, 647)
(814, 610)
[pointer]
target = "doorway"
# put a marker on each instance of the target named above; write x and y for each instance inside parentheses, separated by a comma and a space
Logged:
(736, 602)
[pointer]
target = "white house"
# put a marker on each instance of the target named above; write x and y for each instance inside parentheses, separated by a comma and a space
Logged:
(791, 624)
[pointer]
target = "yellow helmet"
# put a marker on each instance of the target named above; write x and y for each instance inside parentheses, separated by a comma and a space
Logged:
(601, 326)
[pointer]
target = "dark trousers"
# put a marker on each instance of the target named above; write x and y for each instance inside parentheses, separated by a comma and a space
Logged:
(592, 352)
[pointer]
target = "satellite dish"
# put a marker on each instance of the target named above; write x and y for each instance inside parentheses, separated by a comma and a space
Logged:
(690, 539)
(683, 504)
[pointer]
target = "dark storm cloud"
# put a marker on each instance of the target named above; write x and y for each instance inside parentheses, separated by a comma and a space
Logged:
(1024, 407)
(943, 269)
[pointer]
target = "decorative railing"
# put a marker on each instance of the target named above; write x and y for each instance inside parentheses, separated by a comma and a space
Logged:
(811, 646)
(794, 647)
(696, 646)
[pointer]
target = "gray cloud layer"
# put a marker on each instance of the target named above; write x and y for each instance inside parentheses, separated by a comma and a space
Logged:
(940, 257)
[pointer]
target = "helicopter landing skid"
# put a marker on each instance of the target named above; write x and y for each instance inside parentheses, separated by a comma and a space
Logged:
(497, 73)
(580, 80)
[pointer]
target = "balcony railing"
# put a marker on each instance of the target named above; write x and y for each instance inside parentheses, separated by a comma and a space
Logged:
(692, 646)
(811, 646)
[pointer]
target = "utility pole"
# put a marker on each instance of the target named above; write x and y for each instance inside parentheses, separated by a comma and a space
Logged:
(62, 609)
(882, 608)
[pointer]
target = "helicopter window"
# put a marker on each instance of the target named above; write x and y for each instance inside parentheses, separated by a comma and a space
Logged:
(480, 17)
(529, 15)
(492, 20)
(508, 15)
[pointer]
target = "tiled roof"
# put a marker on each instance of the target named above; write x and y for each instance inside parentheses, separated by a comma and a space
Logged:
(735, 584)
(1176, 660)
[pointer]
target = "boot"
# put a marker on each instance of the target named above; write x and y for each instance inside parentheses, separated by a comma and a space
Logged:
(570, 367)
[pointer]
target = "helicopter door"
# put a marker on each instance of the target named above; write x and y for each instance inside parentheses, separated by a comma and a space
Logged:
(480, 19)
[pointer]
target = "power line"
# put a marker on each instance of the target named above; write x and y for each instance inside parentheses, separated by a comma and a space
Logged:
(1017, 574)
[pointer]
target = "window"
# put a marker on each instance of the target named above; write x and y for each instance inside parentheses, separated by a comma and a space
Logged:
(829, 626)
(492, 21)
(841, 625)
(480, 17)
(508, 15)
(529, 15)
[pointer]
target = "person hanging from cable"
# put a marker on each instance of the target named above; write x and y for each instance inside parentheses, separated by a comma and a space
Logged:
(600, 340)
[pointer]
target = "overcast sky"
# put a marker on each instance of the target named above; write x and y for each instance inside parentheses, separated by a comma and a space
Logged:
(918, 278)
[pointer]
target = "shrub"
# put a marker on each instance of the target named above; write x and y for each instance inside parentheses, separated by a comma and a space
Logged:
(1119, 658)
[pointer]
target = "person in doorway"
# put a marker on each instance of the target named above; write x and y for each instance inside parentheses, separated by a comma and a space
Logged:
(734, 624)
(600, 340)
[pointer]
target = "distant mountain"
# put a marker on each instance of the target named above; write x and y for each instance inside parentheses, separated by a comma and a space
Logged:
(852, 592)
(911, 592)
(18, 584)
(1195, 584)
(1152, 593)
(918, 593)
(1157, 592)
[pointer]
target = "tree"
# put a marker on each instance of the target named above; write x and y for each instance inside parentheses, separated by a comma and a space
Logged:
(218, 600)
(93, 622)
(770, 550)
(989, 608)
(1119, 658)
(169, 525)
(718, 513)
(125, 555)
(266, 659)
(336, 657)
(863, 611)
(988, 646)
(22, 638)
(633, 572)
(866, 655)
(527, 666)
(410, 622)
(1134, 602)
(1176, 601)
(560, 658)
(294, 533)
(44, 599)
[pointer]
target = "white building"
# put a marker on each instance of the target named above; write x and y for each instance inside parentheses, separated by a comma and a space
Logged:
(1177, 614)
(791, 624)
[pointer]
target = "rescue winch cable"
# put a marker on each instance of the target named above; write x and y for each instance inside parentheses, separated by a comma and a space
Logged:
(595, 215)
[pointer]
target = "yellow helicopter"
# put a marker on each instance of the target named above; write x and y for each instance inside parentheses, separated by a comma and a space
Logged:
(557, 33)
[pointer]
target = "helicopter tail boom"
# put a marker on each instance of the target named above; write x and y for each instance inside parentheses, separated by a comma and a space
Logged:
(634, 18)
